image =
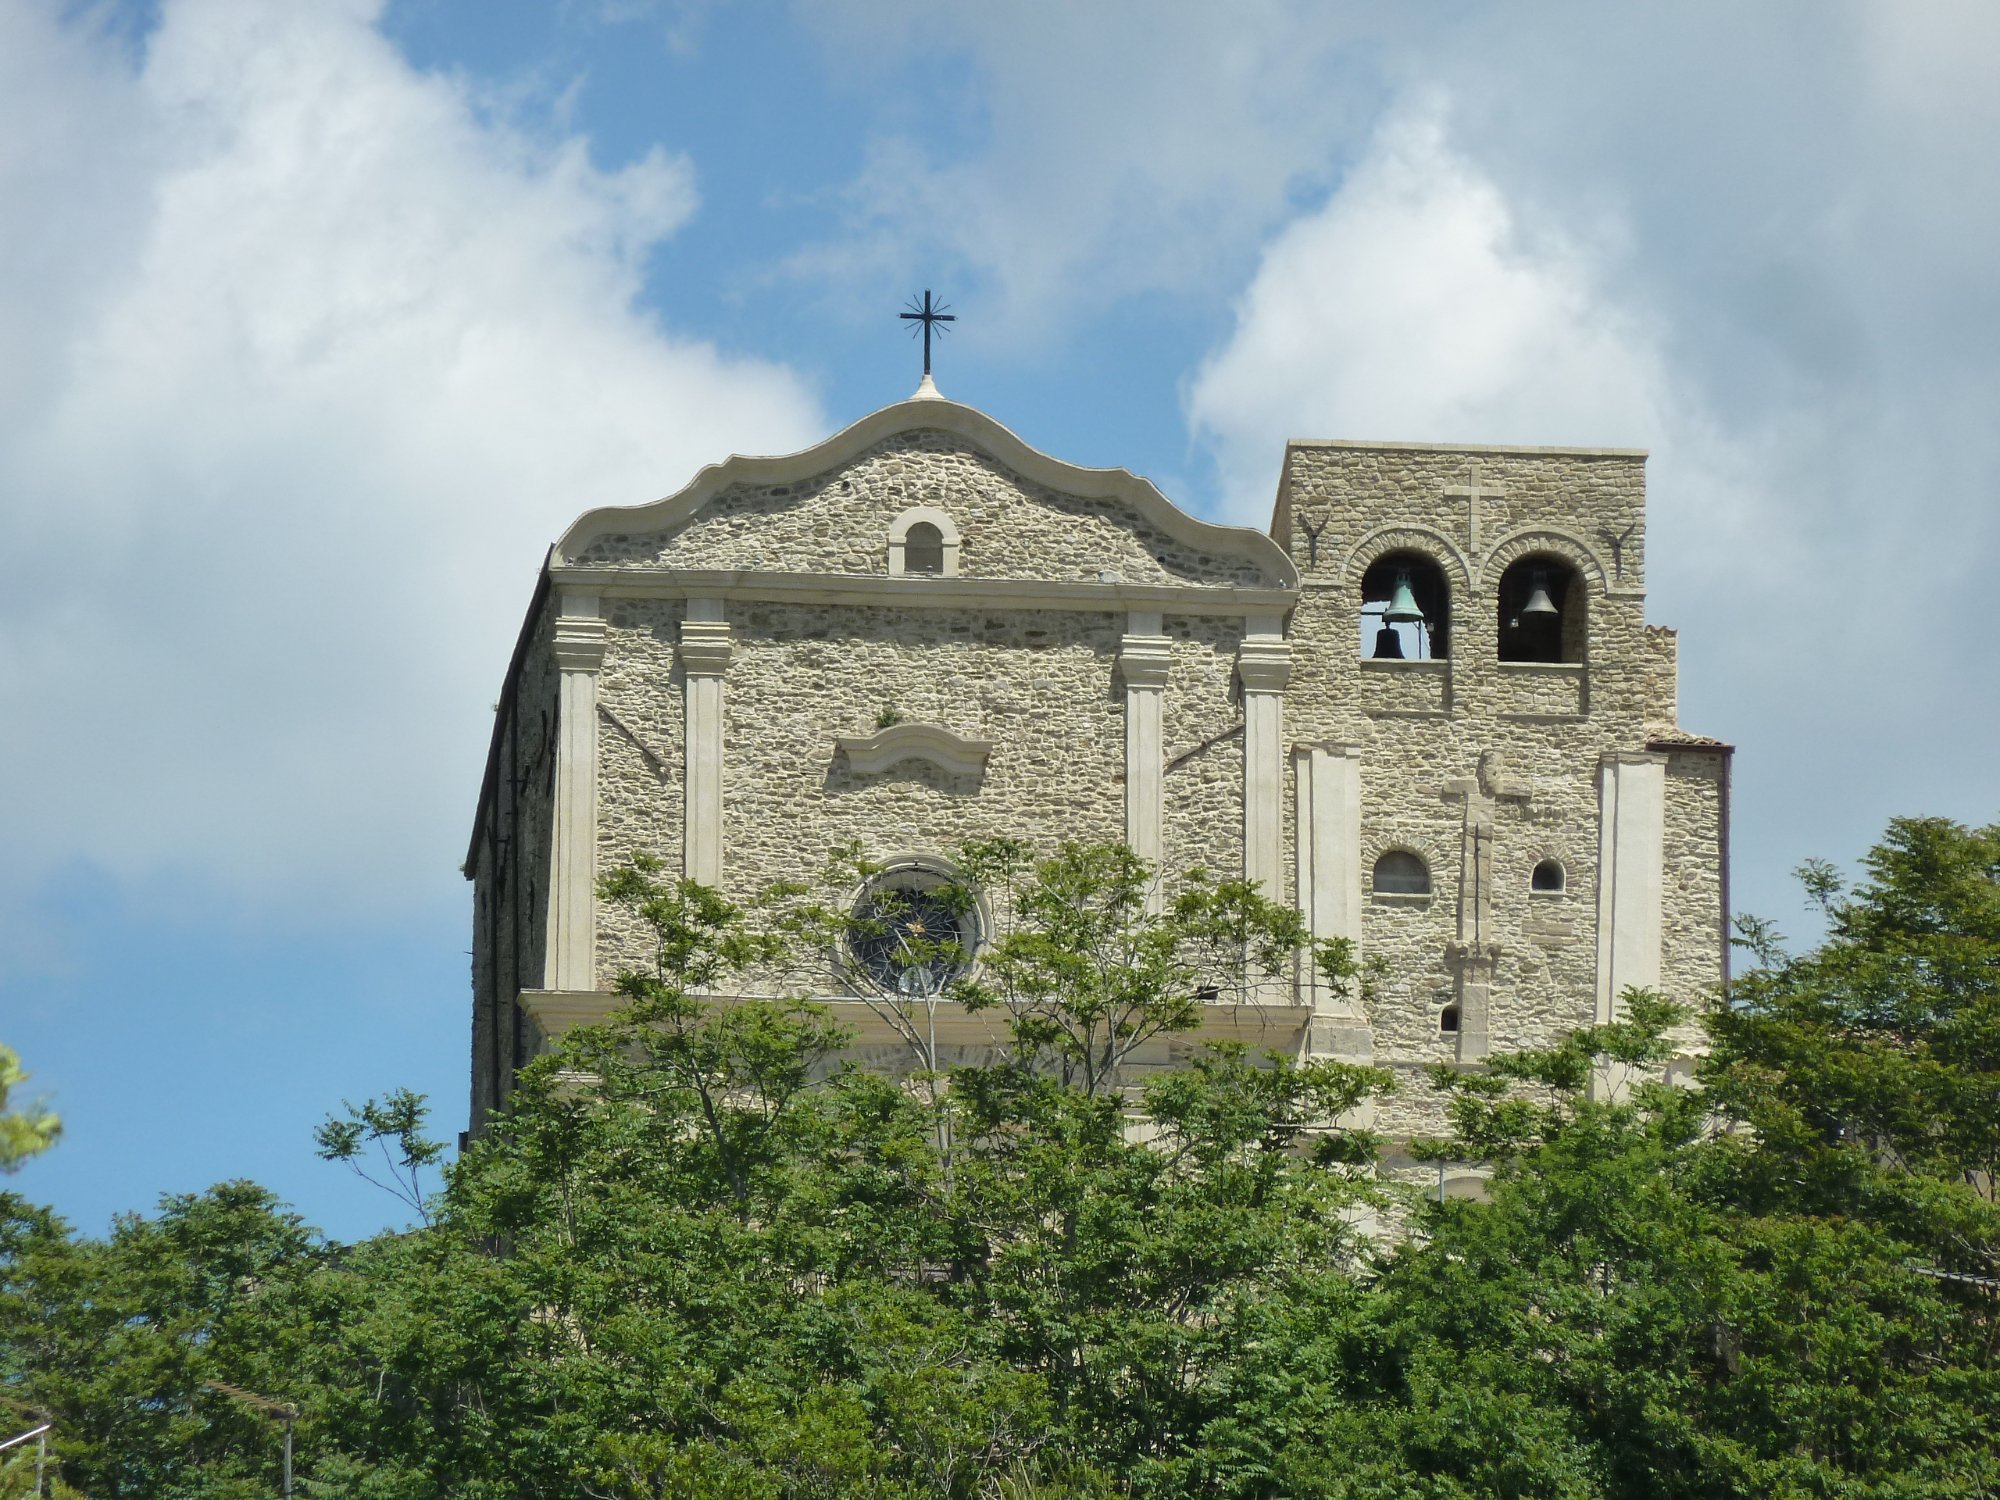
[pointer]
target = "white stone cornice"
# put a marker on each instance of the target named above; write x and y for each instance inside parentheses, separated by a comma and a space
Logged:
(1264, 664)
(927, 591)
(1632, 758)
(579, 643)
(1145, 660)
(706, 647)
(949, 752)
(554, 1012)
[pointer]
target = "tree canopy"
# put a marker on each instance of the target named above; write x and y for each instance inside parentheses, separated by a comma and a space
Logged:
(698, 1256)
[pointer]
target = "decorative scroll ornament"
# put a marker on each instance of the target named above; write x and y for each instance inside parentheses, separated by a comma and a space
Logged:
(926, 742)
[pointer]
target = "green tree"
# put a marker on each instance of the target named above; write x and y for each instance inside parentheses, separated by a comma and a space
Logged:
(697, 1256)
(394, 1128)
(1870, 1067)
(23, 1132)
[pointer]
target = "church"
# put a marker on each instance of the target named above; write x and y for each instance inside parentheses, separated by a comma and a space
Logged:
(1425, 706)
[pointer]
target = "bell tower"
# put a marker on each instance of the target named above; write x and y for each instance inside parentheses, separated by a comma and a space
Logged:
(1521, 830)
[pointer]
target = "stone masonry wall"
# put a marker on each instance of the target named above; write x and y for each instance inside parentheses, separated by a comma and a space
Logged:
(1039, 685)
(1201, 721)
(838, 522)
(641, 755)
(511, 871)
(1691, 895)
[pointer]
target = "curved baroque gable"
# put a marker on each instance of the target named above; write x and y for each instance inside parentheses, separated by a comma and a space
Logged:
(1018, 513)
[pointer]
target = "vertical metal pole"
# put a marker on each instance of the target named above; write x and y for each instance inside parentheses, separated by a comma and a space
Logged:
(288, 1458)
(41, 1461)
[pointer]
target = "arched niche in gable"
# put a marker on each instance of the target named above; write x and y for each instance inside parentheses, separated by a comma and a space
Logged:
(923, 540)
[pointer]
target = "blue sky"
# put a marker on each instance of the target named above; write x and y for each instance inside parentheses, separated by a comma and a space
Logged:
(323, 317)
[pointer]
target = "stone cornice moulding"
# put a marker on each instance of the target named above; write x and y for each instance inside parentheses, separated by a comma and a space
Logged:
(933, 414)
(579, 642)
(869, 754)
(705, 647)
(1144, 661)
(931, 590)
(555, 1012)
(1264, 664)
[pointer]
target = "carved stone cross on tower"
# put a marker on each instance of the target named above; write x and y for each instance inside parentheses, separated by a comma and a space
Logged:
(1473, 493)
(1476, 953)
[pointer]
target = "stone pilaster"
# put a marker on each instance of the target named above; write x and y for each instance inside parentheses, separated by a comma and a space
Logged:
(1328, 778)
(1631, 835)
(571, 962)
(1327, 782)
(1144, 656)
(1264, 666)
(705, 650)
(1631, 839)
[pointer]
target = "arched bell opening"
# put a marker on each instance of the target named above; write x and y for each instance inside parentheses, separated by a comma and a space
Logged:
(1405, 609)
(1544, 611)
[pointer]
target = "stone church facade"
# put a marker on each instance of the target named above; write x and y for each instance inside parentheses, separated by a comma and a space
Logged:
(1425, 707)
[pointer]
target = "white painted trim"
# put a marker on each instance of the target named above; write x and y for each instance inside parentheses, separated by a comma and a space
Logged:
(977, 429)
(899, 531)
(933, 743)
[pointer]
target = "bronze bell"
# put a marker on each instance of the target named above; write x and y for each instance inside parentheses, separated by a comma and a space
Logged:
(1388, 644)
(1539, 602)
(1402, 608)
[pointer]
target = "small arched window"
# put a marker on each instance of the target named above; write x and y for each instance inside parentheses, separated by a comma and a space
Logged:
(923, 549)
(923, 541)
(1405, 609)
(1542, 611)
(1401, 873)
(1448, 1019)
(1548, 877)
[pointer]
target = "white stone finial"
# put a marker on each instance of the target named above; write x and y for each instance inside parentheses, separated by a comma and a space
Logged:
(927, 390)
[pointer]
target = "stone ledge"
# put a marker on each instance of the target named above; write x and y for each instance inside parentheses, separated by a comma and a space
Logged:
(555, 1012)
(636, 581)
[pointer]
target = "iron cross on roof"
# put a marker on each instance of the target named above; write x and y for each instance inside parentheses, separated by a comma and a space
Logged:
(927, 312)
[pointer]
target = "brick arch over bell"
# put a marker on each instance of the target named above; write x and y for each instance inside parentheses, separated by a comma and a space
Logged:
(1435, 545)
(1545, 541)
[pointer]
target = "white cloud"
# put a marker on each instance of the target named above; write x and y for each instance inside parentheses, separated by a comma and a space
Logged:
(317, 361)
(1414, 306)
(1075, 155)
